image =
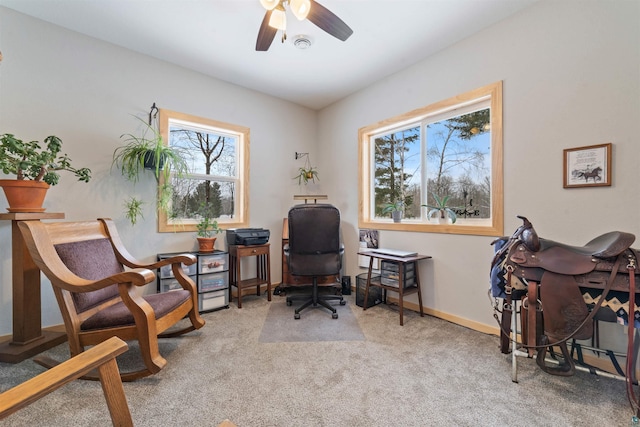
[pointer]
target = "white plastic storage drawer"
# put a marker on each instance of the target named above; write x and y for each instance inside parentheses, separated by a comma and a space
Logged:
(213, 263)
(166, 271)
(213, 300)
(395, 266)
(170, 284)
(393, 281)
(213, 282)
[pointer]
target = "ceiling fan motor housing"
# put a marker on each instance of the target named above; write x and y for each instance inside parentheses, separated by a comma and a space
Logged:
(302, 42)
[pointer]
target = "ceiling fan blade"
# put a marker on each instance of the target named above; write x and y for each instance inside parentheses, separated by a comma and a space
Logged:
(328, 21)
(266, 34)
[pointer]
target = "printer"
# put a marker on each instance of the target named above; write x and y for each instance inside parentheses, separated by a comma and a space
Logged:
(247, 236)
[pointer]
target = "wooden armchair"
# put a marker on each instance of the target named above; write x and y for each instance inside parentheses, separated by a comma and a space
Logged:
(101, 357)
(98, 298)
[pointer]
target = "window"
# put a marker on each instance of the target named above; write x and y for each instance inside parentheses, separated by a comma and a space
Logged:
(218, 178)
(453, 149)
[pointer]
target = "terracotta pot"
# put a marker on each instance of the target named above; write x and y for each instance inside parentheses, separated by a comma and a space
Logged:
(24, 195)
(206, 244)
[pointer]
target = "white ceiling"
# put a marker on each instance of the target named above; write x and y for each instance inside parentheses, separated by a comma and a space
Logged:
(218, 37)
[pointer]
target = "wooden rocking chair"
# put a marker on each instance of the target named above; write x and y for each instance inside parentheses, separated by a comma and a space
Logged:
(85, 262)
(101, 357)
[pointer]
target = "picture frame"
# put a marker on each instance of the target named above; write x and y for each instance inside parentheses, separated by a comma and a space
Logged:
(588, 166)
(369, 239)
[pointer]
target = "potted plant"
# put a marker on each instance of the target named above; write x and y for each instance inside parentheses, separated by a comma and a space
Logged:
(440, 212)
(149, 152)
(36, 168)
(395, 209)
(206, 230)
(306, 174)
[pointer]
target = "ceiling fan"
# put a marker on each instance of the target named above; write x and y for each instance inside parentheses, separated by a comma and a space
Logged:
(276, 19)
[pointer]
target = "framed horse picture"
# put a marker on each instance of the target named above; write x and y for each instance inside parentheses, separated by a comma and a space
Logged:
(587, 166)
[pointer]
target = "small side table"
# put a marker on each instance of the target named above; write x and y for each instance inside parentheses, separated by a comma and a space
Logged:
(263, 271)
(401, 290)
(29, 338)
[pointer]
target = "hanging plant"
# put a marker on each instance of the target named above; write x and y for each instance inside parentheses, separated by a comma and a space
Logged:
(148, 151)
(307, 172)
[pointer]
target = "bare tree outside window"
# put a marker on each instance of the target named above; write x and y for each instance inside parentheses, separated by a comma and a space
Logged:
(458, 162)
(218, 172)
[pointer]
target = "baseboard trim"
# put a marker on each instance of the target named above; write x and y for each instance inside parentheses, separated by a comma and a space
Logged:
(467, 323)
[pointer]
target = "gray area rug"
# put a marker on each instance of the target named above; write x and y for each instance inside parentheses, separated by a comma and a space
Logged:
(315, 324)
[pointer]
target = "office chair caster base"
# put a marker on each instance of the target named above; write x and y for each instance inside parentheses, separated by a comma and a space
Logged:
(334, 316)
(296, 316)
(342, 302)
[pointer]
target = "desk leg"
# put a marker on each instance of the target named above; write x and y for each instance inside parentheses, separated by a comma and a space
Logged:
(401, 292)
(28, 337)
(419, 290)
(238, 280)
(366, 286)
(267, 270)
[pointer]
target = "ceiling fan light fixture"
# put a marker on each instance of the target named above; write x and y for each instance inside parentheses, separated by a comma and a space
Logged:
(278, 19)
(300, 8)
(269, 4)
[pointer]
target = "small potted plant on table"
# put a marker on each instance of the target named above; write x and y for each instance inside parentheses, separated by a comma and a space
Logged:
(207, 228)
(36, 169)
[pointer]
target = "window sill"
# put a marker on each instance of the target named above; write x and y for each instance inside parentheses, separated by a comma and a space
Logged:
(462, 226)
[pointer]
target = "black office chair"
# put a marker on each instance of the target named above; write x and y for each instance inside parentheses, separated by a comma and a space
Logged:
(314, 250)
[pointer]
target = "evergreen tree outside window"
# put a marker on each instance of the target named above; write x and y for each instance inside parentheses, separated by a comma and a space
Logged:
(217, 184)
(451, 148)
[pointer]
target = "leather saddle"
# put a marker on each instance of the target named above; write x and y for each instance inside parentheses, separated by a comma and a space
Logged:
(554, 309)
(571, 260)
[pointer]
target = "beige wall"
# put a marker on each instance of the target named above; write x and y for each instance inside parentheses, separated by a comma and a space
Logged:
(54, 81)
(571, 73)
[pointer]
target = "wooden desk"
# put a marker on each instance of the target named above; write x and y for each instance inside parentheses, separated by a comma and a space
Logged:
(29, 338)
(401, 290)
(263, 271)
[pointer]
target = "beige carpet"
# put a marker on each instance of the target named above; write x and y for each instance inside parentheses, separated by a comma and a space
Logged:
(426, 373)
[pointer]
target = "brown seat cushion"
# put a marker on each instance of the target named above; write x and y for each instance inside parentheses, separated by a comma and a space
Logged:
(119, 315)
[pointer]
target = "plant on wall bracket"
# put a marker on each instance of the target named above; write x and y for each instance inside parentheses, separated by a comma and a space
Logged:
(307, 172)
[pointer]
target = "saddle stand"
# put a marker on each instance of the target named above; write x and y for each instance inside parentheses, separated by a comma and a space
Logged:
(546, 279)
